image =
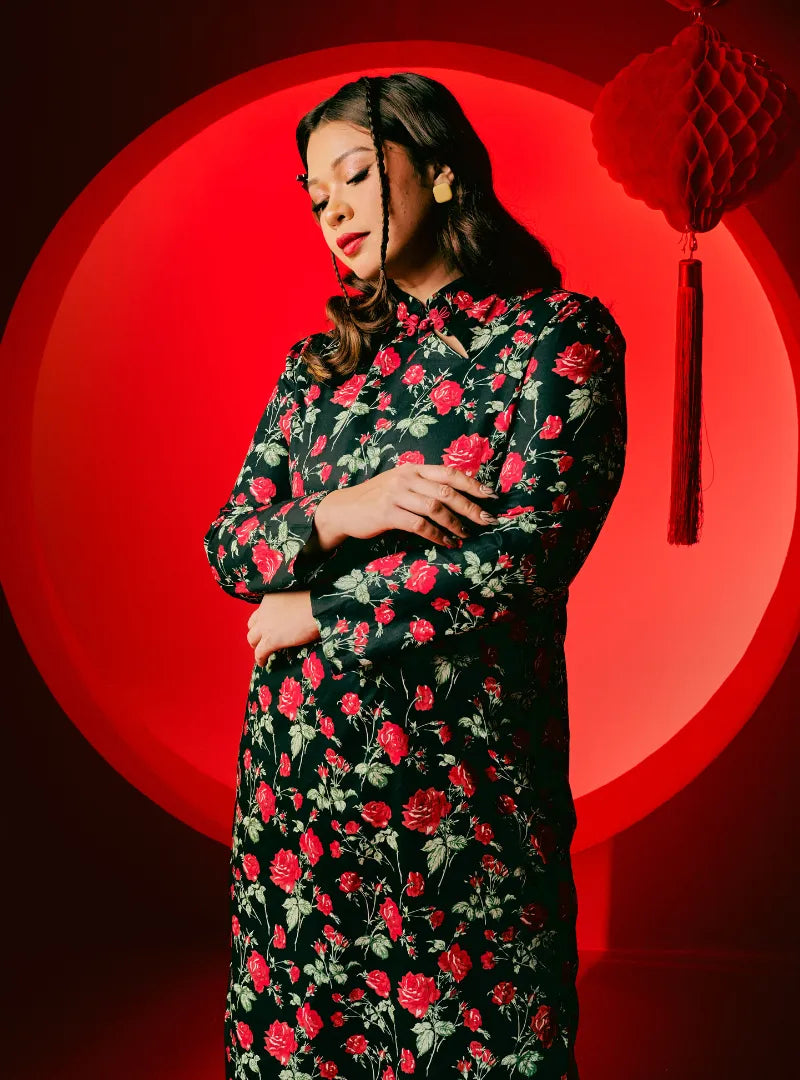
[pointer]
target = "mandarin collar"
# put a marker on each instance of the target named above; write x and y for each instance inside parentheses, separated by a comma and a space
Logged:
(456, 308)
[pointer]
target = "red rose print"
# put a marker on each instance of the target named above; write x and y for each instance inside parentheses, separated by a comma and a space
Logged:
(377, 814)
(511, 471)
(319, 445)
(280, 1041)
(265, 797)
(551, 428)
(279, 938)
(311, 846)
(422, 577)
(347, 393)
(578, 362)
(259, 970)
(413, 374)
(462, 776)
(379, 982)
(263, 491)
(543, 1023)
(446, 395)
(290, 697)
(387, 360)
(244, 1034)
(349, 881)
(425, 810)
(407, 1061)
(394, 741)
(313, 670)
(251, 867)
(503, 993)
(457, 961)
(356, 1044)
(383, 614)
(417, 993)
(421, 630)
(267, 560)
(243, 531)
(391, 916)
(472, 1019)
(351, 703)
(284, 870)
(503, 419)
(424, 698)
(467, 453)
(386, 565)
(416, 883)
(329, 1070)
(309, 1020)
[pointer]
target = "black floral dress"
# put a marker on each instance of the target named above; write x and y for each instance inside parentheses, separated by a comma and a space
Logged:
(401, 885)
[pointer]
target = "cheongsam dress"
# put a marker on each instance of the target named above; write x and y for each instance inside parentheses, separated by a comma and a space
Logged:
(402, 896)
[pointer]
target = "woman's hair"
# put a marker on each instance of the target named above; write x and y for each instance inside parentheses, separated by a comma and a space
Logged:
(476, 236)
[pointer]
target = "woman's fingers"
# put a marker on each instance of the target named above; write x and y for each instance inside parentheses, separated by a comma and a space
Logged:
(418, 523)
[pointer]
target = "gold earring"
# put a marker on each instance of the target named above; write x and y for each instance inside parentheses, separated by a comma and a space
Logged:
(442, 192)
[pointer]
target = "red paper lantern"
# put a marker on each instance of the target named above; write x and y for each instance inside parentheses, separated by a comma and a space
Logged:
(693, 129)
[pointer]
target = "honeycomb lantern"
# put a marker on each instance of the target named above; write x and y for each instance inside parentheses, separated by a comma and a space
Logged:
(693, 129)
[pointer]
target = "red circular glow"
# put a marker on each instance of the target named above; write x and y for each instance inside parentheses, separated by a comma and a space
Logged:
(148, 336)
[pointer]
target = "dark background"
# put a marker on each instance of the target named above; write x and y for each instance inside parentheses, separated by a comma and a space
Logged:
(117, 922)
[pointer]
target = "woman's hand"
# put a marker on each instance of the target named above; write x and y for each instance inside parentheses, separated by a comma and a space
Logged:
(281, 620)
(421, 499)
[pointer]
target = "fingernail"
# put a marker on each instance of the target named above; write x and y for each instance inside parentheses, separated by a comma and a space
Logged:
(486, 489)
(486, 516)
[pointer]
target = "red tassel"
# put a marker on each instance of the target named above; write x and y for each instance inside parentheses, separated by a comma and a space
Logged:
(686, 498)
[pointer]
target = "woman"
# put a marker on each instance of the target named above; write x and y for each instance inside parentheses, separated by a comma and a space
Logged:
(402, 892)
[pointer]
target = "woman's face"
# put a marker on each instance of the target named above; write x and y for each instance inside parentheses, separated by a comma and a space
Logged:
(344, 188)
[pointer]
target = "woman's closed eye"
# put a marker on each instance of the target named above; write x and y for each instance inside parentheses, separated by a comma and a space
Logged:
(359, 176)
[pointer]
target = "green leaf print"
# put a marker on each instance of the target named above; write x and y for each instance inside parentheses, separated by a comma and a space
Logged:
(254, 829)
(528, 1063)
(378, 774)
(425, 1037)
(380, 945)
(436, 850)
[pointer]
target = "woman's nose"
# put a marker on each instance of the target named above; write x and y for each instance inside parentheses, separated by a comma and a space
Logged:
(336, 212)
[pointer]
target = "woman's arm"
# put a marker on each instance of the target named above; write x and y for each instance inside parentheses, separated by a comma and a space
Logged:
(253, 543)
(561, 474)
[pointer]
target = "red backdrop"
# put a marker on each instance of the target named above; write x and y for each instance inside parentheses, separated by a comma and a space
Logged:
(671, 810)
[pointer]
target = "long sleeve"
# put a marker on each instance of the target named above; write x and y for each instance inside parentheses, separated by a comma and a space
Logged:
(252, 544)
(563, 468)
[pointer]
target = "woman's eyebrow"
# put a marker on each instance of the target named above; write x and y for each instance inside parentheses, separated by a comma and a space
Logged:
(341, 157)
